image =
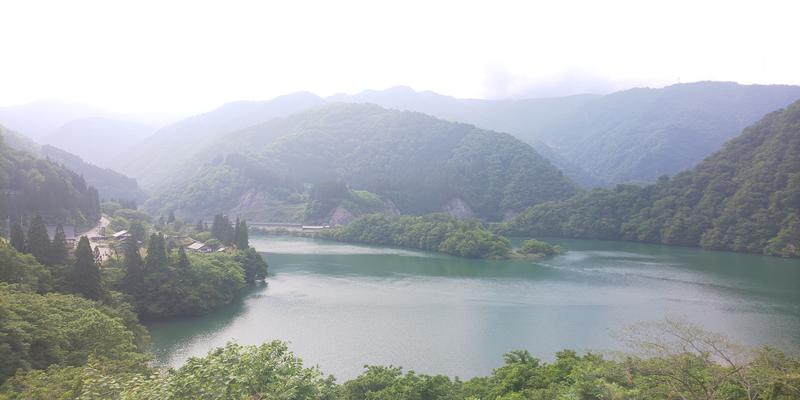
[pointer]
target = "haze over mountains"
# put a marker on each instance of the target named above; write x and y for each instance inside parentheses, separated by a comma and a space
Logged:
(415, 163)
(635, 135)
(109, 184)
(630, 136)
(304, 158)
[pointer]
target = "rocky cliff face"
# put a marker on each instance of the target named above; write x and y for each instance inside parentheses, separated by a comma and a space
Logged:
(458, 208)
(259, 206)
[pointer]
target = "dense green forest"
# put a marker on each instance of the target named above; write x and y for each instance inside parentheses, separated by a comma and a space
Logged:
(746, 197)
(634, 135)
(30, 185)
(629, 136)
(167, 281)
(434, 232)
(109, 183)
(418, 162)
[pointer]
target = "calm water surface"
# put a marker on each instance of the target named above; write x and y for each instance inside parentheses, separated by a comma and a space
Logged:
(342, 306)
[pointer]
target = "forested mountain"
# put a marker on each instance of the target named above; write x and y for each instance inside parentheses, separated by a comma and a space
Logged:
(419, 163)
(159, 155)
(98, 140)
(640, 134)
(30, 185)
(630, 136)
(635, 135)
(521, 118)
(109, 183)
(745, 197)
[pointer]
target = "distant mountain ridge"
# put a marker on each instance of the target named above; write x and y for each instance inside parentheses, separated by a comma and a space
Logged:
(634, 135)
(418, 162)
(98, 140)
(155, 158)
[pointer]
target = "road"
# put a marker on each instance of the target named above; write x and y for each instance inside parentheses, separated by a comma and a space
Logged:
(105, 249)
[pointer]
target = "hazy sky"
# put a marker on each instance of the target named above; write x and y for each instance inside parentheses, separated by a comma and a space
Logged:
(191, 56)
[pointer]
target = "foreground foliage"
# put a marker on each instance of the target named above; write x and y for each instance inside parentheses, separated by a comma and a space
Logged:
(710, 370)
(39, 330)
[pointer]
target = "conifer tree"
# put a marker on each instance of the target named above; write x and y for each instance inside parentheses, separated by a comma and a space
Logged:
(200, 227)
(242, 237)
(38, 243)
(171, 217)
(58, 249)
(183, 260)
(156, 254)
(229, 234)
(133, 281)
(85, 272)
(237, 227)
(218, 228)
(17, 237)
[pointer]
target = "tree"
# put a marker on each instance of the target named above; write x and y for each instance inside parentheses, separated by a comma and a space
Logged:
(200, 227)
(17, 237)
(38, 243)
(242, 237)
(133, 281)
(156, 254)
(183, 260)
(85, 272)
(219, 228)
(58, 249)
(171, 217)
(255, 268)
(137, 231)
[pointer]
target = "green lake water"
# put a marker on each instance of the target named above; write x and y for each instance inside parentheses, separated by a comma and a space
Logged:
(342, 306)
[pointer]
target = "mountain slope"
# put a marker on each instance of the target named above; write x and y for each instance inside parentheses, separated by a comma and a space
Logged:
(635, 135)
(521, 118)
(109, 183)
(746, 197)
(640, 134)
(30, 185)
(162, 153)
(419, 163)
(98, 140)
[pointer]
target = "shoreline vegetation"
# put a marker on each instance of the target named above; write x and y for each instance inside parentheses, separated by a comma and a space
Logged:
(438, 232)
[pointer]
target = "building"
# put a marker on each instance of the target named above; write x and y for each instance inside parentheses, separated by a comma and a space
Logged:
(121, 234)
(198, 247)
(312, 228)
(69, 233)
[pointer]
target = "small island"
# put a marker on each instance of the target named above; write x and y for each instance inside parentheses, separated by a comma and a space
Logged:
(435, 232)
(533, 249)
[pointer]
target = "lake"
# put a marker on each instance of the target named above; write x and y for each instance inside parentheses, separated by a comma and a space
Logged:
(342, 306)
